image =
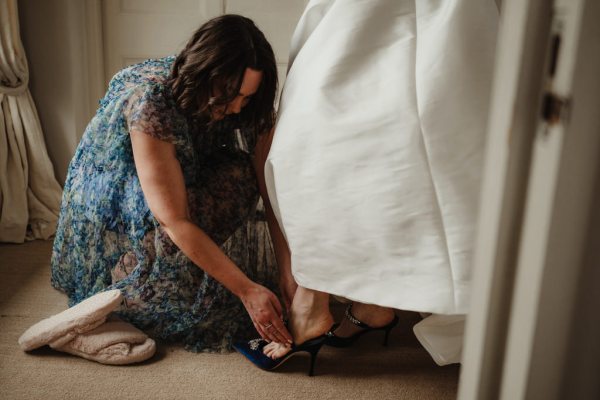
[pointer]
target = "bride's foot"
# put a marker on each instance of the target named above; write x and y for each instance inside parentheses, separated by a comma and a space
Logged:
(309, 318)
(372, 315)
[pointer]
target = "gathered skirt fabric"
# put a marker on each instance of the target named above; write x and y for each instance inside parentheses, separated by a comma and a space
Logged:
(375, 167)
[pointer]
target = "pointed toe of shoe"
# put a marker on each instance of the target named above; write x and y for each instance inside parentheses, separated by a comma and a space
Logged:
(253, 351)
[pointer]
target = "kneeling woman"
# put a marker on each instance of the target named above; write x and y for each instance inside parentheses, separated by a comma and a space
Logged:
(161, 196)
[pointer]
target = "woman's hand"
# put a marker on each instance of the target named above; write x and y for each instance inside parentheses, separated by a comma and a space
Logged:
(266, 313)
(287, 286)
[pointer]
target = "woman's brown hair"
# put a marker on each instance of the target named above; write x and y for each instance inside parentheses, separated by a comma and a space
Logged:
(214, 61)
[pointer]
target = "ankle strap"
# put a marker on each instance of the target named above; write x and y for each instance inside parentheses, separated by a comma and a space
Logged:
(353, 319)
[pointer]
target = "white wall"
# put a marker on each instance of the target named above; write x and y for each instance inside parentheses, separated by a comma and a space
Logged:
(52, 32)
(63, 59)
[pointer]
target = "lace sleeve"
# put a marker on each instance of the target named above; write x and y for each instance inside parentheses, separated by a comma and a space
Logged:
(148, 110)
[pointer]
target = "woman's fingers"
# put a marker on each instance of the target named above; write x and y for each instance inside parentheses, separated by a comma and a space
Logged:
(276, 336)
(268, 332)
(283, 334)
(260, 330)
(275, 331)
(266, 313)
(272, 334)
(278, 328)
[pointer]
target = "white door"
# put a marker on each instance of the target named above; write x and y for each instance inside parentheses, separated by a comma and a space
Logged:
(135, 30)
(536, 228)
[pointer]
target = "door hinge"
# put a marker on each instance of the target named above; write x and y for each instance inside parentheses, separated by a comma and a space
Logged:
(554, 108)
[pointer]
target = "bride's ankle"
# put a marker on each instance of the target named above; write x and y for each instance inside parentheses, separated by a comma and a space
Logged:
(302, 317)
(371, 314)
(308, 302)
(303, 329)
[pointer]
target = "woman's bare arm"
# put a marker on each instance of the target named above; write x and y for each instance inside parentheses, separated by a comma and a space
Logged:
(282, 252)
(163, 185)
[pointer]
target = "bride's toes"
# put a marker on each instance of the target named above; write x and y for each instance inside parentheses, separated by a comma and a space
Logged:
(275, 350)
(268, 349)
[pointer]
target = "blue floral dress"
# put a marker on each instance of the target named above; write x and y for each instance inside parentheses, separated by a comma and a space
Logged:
(107, 237)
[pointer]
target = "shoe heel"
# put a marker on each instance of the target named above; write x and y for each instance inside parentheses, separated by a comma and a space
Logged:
(386, 337)
(313, 360)
(388, 328)
(314, 351)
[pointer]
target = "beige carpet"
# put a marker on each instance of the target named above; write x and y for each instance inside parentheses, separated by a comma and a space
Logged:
(367, 371)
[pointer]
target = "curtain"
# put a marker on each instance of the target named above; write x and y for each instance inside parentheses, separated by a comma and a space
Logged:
(29, 193)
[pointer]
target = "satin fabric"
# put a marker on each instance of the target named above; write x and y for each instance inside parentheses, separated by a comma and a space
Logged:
(374, 171)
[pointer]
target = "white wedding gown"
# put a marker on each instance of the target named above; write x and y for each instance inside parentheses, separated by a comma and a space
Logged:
(375, 167)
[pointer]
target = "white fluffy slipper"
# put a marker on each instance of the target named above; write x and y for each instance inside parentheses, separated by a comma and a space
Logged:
(65, 326)
(114, 342)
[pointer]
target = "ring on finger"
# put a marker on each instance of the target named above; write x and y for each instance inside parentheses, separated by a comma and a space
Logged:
(267, 326)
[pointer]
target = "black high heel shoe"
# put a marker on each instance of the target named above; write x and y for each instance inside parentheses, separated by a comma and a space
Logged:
(337, 341)
(253, 351)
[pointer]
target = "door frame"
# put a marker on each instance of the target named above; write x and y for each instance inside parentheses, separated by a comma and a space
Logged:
(537, 199)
